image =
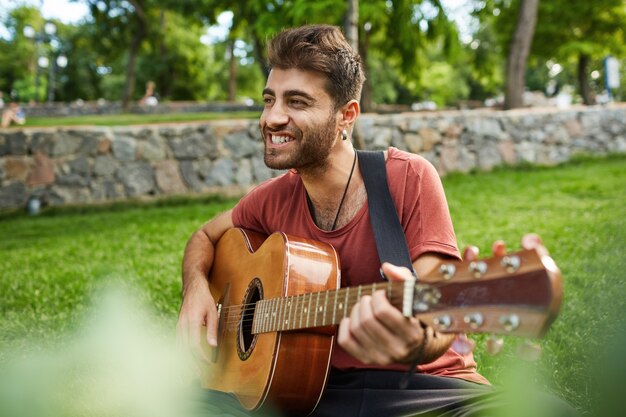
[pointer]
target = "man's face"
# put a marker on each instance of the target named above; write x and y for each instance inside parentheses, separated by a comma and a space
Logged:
(298, 123)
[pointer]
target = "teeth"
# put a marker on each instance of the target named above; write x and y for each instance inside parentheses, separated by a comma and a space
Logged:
(280, 139)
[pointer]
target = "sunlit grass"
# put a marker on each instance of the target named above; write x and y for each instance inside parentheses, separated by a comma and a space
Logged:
(52, 266)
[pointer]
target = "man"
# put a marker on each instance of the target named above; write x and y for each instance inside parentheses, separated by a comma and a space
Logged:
(311, 105)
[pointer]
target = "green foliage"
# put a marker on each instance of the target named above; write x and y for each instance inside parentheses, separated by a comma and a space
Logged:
(413, 51)
(566, 30)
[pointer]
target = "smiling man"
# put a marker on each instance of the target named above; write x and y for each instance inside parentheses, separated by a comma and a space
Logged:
(311, 105)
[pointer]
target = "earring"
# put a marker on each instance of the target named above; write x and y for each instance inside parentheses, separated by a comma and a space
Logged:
(344, 134)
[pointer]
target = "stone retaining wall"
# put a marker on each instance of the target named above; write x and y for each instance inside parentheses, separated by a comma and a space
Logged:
(96, 164)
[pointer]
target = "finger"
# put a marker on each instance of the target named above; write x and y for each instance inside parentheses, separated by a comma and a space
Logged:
(363, 322)
(470, 253)
(498, 248)
(396, 273)
(195, 335)
(211, 332)
(356, 339)
(345, 339)
(400, 334)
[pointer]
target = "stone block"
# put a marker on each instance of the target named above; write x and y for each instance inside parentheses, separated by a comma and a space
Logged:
(16, 168)
(105, 166)
(124, 148)
(168, 177)
(13, 196)
(42, 172)
(137, 178)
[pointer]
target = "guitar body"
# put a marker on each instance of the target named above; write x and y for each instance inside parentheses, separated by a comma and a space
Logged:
(284, 370)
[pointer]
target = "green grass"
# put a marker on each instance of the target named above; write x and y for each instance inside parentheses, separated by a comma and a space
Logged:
(134, 119)
(52, 265)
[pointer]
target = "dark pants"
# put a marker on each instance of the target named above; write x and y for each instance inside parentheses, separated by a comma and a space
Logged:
(378, 394)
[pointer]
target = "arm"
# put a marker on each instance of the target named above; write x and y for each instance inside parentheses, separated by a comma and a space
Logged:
(377, 333)
(198, 307)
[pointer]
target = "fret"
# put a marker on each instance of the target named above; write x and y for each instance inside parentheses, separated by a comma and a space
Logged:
(317, 303)
(301, 303)
(325, 320)
(281, 314)
(335, 307)
(345, 307)
(273, 310)
(289, 303)
(308, 310)
(266, 315)
(373, 288)
(358, 294)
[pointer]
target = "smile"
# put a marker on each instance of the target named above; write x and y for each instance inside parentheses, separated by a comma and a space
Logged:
(277, 140)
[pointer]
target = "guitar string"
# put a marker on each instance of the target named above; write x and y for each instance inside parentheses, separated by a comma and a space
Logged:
(390, 287)
(236, 318)
(364, 291)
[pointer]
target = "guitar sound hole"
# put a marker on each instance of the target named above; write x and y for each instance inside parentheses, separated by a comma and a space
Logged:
(246, 339)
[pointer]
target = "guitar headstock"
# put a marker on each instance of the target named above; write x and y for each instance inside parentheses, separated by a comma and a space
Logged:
(517, 294)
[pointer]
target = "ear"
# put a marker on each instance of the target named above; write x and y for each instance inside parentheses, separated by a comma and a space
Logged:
(348, 114)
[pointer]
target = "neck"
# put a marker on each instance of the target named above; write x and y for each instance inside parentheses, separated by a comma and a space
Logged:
(327, 182)
(334, 195)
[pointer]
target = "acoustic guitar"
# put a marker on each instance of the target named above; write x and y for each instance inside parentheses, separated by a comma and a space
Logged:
(279, 301)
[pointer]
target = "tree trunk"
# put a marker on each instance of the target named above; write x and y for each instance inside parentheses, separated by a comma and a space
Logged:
(583, 82)
(366, 95)
(140, 33)
(351, 24)
(166, 77)
(517, 58)
(232, 71)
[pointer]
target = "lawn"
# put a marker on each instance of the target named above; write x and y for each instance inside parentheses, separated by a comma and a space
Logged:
(52, 266)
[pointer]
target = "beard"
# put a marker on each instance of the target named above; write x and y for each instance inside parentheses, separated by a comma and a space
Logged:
(311, 149)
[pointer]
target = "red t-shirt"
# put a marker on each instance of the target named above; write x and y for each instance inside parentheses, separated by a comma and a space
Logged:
(280, 204)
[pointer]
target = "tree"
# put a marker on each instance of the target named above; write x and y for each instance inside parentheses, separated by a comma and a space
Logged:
(519, 49)
(351, 23)
(582, 33)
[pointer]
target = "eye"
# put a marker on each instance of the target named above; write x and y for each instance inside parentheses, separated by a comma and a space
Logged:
(268, 100)
(297, 102)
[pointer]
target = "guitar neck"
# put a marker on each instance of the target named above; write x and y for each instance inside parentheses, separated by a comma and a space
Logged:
(318, 309)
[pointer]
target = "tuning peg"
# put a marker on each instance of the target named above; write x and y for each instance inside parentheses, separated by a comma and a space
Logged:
(463, 345)
(529, 351)
(494, 345)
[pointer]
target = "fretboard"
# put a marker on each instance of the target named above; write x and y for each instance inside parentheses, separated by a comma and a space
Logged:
(317, 309)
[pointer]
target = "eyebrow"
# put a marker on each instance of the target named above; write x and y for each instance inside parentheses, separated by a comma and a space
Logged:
(290, 93)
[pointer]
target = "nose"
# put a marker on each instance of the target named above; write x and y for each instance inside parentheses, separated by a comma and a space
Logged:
(274, 116)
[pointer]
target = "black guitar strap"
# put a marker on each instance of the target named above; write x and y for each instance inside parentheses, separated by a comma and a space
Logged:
(390, 240)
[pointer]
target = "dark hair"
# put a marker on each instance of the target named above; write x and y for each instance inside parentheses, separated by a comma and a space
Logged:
(324, 49)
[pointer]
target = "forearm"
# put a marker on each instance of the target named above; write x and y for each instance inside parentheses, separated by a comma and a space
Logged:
(197, 260)
(200, 251)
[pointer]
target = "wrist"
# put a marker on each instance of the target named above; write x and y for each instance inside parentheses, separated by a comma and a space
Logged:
(193, 283)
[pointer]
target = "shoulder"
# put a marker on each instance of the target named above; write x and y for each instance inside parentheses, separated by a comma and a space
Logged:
(405, 163)
(274, 189)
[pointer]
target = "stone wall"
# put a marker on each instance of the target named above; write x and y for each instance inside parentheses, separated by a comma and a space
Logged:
(96, 164)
